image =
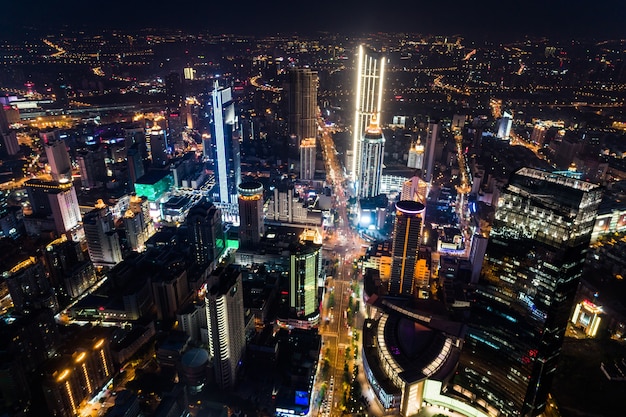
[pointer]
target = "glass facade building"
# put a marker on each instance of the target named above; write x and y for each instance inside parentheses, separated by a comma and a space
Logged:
(523, 296)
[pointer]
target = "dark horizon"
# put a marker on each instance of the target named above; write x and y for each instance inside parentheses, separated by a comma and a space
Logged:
(490, 20)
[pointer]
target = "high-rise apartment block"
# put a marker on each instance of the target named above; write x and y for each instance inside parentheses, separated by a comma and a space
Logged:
(29, 286)
(407, 232)
(304, 271)
(225, 322)
(525, 292)
(102, 239)
(369, 93)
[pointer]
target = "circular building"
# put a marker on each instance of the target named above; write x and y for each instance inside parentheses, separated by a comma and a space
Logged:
(194, 368)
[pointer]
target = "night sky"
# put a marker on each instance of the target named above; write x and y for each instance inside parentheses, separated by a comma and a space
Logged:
(488, 19)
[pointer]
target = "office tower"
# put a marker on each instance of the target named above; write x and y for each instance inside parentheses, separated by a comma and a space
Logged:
(8, 138)
(58, 157)
(92, 168)
(304, 271)
(156, 140)
(504, 125)
(103, 241)
(224, 131)
(251, 226)
(369, 93)
(169, 288)
(415, 189)
(134, 160)
(55, 201)
(205, 233)
(416, 156)
(522, 301)
(307, 158)
(71, 273)
(29, 286)
(372, 154)
(225, 322)
(431, 143)
(407, 232)
(189, 73)
(302, 100)
(135, 134)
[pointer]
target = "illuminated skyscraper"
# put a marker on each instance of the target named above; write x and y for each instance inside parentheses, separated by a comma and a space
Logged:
(416, 156)
(302, 99)
(307, 158)
(224, 131)
(29, 286)
(369, 92)
(405, 249)
(56, 201)
(225, 323)
(305, 263)
(523, 297)
(251, 226)
(372, 153)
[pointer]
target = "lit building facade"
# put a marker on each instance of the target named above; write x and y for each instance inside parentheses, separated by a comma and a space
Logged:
(416, 156)
(251, 222)
(407, 232)
(58, 157)
(225, 322)
(55, 200)
(103, 241)
(76, 378)
(372, 154)
(225, 134)
(307, 158)
(29, 286)
(428, 166)
(304, 271)
(525, 292)
(369, 93)
(156, 139)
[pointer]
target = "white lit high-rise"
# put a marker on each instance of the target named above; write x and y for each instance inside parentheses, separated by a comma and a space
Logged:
(369, 92)
(225, 134)
(372, 153)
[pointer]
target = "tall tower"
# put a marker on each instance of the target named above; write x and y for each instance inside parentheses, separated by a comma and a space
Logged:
(205, 233)
(226, 140)
(225, 323)
(251, 226)
(521, 303)
(92, 168)
(307, 158)
(58, 157)
(369, 93)
(103, 241)
(372, 153)
(157, 144)
(428, 166)
(405, 249)
(303, 274)
(302, 99)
